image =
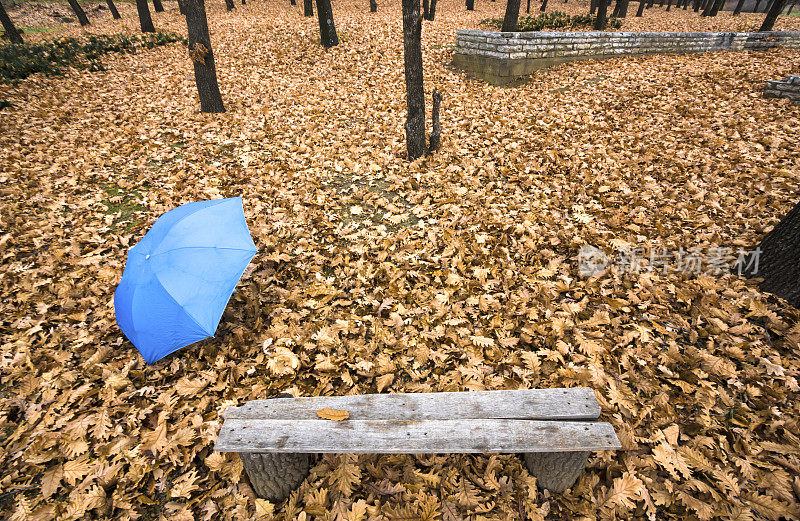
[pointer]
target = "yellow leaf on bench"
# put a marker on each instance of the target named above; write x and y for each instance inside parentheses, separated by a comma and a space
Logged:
(333, 414)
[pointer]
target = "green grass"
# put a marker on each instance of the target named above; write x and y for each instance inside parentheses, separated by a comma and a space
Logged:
(124, 207)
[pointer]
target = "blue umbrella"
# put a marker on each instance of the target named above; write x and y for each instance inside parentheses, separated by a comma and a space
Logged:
(179, 277)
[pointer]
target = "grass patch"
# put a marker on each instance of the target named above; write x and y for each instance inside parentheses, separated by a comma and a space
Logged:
(123, 206)
(554, 20)
(18, 61)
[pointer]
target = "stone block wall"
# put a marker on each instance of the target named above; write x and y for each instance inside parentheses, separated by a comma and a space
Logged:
(788, 88)
(501, 58)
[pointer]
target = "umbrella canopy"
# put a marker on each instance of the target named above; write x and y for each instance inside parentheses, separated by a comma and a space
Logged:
(179, 277)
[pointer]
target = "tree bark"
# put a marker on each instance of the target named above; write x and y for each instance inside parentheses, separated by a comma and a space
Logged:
(717, 6)
(669, 5)
(755, 9)
(543, 8)
(772, 15)
(432, 10)
(308, 7)
(415, 93)
(528, 7)
(229, 5)
(436, 133)
(775, 259)
(205, 71)
(79, 12)
(8, 26)
(600, 21)
(640, 11)
(556, 471)
(113, 8)
(327, 29)
(425, 9)
(470, 5)
(158, 6)
(738, 9)
(621, 9)
(181, 7)
(791, 7)
(512, 16)
(373, 6)
(275, 476)
(145, 22)
(593, 6)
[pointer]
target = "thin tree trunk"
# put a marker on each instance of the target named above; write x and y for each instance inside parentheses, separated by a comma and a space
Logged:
(415, 93)
(181, 7)
(79, 12)
(623, 11)
(327, 29)
(755, 9)
(308, 7)
(432, 10)
(791, 7)
(600, 21)
(528, 7)
(158, 6)
(772, 15)
(717, 6)
(229, 5)
(593, 6)
(669, 5)
(543, 8)
(425, 9)
(205, 72)
(470, 5)
(436, 133)
(707, 6)
(145, 22)
(373, 6)
(738, 9)
(8, 26)
(640, 11)
(512, 16)
(113, 8)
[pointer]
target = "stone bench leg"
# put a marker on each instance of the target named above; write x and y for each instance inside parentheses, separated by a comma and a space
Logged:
(275, 476)
(556, 471)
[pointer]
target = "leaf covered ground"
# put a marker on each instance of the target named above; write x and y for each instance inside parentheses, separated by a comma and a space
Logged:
(457, 272)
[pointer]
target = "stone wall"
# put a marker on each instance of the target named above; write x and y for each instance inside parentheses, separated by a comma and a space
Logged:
(501, 58)
(788, 88)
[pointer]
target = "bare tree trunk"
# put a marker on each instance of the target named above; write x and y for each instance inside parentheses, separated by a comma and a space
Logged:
(113, 8)
(772, 15)
(79, 12)
(145, 22)
(415, 93)
(8, 26)
(308, 7)
(373, 6)
(512, 16)
(470, 5)
(738, 9)
(669, 5)
(158, 6)
(229, 5)
(432, 11)
(327, 29)
(755, 9)
(436, 133)
(528, 7)
(181, 7)
(791, 7)
(640, 11)
(593, 6)
(621, 9)
(717, 6)
(600, 21)
(543, 8)
(205, 71)
(775, 259)
(425, 9)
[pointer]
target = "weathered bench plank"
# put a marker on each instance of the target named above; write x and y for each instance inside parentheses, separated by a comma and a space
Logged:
(577, 403)
(414, 437)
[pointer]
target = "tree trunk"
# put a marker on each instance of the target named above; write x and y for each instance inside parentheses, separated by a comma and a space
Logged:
(415, 93)
(775, 259)
(556, 471)
(669, 5)
(205, 72)
(621, 9)
(600, 21)
(717, 6)
(772, 15)
(229, 5)
(79, 12)
(327, 29)
(791, 7)
(755, 9)
(512, 16)
(373, 6)
(8, 26)
(158, 6)
(308, 7)
(436, 133)
(640, 11)
(432, 10)
(425, 9)
(543, 8)
(528, 7)
(181, 7)
(593, 6)
(145, 22)
(470, 5)
(738, 9)
(113, 8)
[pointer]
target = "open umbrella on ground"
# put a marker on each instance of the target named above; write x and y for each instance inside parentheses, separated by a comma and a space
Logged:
(179, 277)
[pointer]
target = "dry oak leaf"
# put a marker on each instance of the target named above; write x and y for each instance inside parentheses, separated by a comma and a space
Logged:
(333, 414)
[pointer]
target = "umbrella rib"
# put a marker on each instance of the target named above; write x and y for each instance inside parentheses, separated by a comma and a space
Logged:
(202, 248)
(166, 291)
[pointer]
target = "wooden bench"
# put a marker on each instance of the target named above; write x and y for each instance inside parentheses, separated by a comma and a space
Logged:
(553, 428)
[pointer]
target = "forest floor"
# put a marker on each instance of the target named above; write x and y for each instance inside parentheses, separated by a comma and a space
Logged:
(374, 274)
